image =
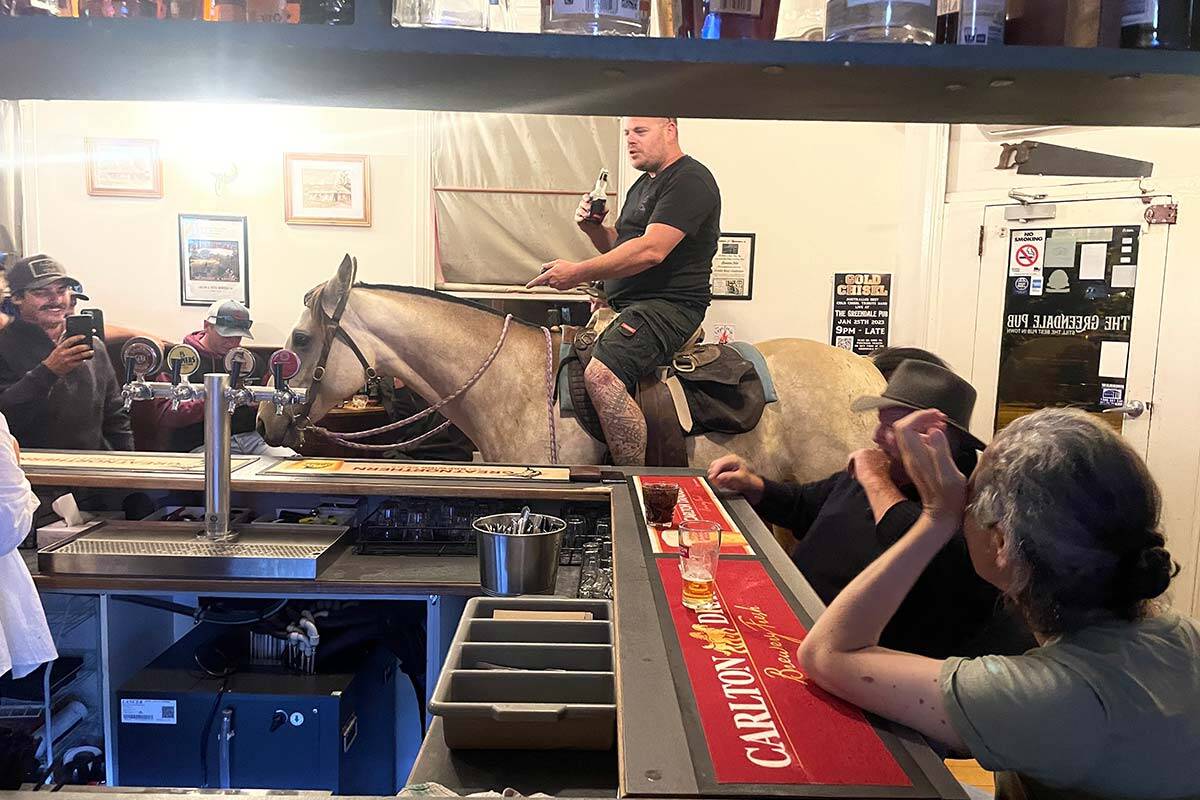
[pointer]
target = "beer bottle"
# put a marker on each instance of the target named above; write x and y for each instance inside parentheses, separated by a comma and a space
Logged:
(599, 197)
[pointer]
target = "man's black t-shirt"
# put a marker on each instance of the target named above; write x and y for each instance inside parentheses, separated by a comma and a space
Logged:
(684, 196)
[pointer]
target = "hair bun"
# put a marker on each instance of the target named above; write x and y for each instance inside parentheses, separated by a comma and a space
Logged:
(1150, 573)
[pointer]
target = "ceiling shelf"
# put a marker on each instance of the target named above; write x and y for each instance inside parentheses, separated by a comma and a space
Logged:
(373, 65)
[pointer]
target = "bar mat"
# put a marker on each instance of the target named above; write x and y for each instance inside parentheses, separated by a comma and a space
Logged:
(762, 721)
(366, 468)
(128, 462)
(697, 502)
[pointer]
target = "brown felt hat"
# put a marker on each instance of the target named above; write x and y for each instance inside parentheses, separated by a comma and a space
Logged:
(920, 385)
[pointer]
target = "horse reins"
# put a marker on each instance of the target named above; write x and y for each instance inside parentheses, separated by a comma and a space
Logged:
(332, 329)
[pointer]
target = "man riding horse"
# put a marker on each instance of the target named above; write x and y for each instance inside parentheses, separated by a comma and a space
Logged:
(656, 267)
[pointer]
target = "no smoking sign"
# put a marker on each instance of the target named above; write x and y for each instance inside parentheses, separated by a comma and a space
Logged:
(1026, 251)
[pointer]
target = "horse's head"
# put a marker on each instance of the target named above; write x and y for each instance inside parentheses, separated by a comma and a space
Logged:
(315, 339)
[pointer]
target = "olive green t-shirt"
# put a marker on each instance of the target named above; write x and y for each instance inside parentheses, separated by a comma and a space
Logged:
(1110, 711)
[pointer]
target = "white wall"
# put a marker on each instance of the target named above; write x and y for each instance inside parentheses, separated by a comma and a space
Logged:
(822, 198)
(125, 250)
(1174, 448)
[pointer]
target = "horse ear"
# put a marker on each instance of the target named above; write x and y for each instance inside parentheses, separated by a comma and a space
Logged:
(339, 284)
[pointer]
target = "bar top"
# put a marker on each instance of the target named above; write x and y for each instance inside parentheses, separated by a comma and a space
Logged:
(185, 471)
(661, 730)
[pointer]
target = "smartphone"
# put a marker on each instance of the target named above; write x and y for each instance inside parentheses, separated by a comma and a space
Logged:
(97, 321)
(81, 325)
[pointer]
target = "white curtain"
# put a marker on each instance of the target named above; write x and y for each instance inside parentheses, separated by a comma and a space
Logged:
(10, 182)
(500, 236)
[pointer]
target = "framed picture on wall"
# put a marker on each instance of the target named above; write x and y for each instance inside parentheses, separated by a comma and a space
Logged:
(733, 267)
(123, 168)
(213, 262)
(326, 189)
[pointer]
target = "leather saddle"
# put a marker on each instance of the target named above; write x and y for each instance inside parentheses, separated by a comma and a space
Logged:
(707, 388)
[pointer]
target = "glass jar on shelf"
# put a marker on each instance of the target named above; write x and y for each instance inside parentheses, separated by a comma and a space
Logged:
(39, 8)
(801, 21)
(971, 22)
(902, 21)
(467, 14)
(1160, 24)
(596, 17)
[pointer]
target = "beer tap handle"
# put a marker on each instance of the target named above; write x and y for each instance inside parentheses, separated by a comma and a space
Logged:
(176, 371)
(277, 372)
(130, 375)
(235, 375)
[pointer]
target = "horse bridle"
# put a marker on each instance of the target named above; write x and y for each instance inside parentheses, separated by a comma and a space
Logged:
(331, 330)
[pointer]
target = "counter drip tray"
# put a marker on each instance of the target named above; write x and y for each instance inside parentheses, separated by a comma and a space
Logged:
(175, 549)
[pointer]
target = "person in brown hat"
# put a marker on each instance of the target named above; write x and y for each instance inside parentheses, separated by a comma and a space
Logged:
(844, 522)
(56, 392)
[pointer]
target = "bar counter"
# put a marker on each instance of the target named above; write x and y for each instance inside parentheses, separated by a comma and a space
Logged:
(660, 732)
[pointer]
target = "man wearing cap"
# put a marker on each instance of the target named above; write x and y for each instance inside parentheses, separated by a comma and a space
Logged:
(846, 521)
(56, 393)
(227, 323)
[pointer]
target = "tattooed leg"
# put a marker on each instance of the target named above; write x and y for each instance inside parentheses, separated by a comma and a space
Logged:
(622, 420)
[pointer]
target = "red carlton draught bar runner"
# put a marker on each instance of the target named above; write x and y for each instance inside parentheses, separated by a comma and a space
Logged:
(697, 502)
(764, 723)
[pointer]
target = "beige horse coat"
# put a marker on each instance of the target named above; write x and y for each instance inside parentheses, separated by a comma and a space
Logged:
(434, 343)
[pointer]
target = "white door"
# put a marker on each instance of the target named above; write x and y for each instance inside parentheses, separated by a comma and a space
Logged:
(1069, 314)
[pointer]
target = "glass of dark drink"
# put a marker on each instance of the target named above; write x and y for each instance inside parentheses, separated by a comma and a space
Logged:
(660, 503)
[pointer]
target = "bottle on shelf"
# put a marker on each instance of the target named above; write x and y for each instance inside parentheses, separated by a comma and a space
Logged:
(1064, 23)
(801, 21)
(902, 21)
(736, 19)
(971, 21)
(599, 198)
(596, 17)
(1160, 24)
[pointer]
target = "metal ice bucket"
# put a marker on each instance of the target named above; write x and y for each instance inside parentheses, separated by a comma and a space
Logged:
(518, 563)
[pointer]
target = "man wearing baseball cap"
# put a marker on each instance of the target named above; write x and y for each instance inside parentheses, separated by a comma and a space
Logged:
(227, 323)
(846, 521)
(56, 392)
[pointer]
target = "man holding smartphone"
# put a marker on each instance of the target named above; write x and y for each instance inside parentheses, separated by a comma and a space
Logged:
(57, 391)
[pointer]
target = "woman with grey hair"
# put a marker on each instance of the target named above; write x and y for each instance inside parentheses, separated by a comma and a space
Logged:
(1063, 517)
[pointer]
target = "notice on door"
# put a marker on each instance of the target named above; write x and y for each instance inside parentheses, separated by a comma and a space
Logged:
(1027, 253)
(1066, 338)
(862, 311)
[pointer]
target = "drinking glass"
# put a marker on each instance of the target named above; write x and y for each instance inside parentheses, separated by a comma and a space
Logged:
(699, 550)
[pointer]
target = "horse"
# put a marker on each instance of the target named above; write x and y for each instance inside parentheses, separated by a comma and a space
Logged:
(437, 344)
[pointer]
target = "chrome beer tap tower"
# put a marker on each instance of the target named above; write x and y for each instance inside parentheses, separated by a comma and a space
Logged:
(223, 393)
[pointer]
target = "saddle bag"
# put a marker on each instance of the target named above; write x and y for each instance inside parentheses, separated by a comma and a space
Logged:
(724, 393)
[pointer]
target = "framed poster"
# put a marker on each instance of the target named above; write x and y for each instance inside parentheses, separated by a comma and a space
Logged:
(123, 168)
(733, 267)
(862, 311)
(326, 189)
(213, 263)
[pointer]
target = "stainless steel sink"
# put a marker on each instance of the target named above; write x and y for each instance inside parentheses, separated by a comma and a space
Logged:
(178, 549)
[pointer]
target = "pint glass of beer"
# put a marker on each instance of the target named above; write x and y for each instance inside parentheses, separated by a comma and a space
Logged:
(699, 549)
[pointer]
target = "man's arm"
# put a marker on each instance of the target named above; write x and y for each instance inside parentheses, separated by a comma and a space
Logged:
(602, 237)
(794, 506)
(628, 258)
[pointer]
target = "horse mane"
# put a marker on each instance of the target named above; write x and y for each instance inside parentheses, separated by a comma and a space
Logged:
(448, 298)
